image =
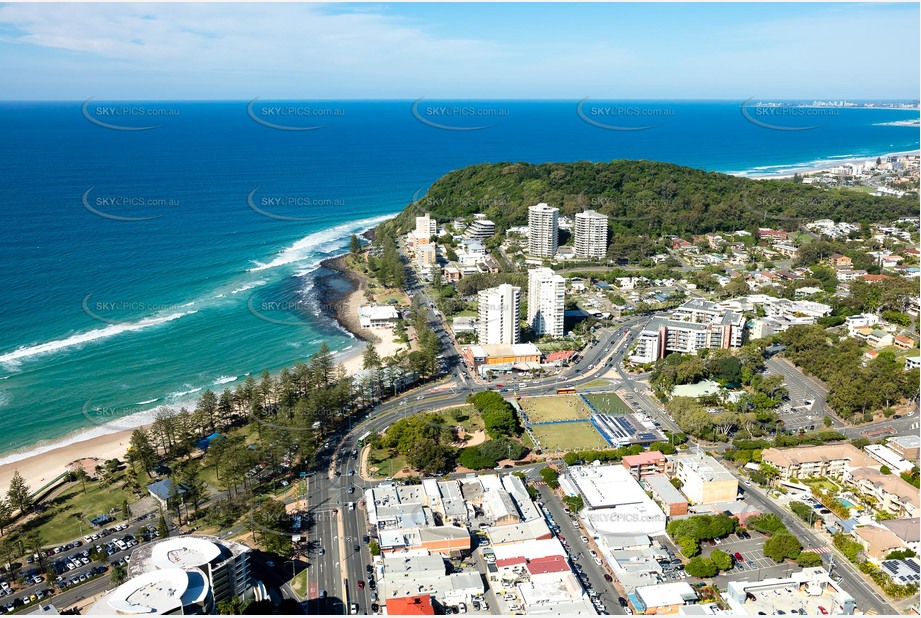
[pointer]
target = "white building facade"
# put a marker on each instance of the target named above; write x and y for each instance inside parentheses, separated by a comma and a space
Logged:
(498, 315)
(546, 302)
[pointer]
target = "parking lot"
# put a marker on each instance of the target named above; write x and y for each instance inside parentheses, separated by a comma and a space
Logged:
(800, 416)
(754, 565)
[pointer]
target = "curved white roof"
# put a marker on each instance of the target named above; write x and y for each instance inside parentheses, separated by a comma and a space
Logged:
(186, 552)
(155, 592)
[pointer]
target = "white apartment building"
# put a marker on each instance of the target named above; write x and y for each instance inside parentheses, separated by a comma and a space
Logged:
(546, 302)
(861, 320)
(498, 319)
(481, 229)
(543, 230)
(426, 227)
(696, 325)
(591, 235)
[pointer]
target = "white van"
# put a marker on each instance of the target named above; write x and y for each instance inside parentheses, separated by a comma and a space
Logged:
(351, 506)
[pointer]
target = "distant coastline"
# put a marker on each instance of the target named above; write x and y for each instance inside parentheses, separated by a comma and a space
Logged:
(788, 171)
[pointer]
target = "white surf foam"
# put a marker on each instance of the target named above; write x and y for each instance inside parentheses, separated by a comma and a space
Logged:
(89, 336)
(225, 380)
(320, 242)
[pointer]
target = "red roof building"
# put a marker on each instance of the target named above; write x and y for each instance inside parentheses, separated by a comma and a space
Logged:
(558, 356)
(420, 605)
(873, 278)
(548, 564)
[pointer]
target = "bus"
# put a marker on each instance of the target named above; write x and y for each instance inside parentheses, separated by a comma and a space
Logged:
(364, 436)
(566, 390)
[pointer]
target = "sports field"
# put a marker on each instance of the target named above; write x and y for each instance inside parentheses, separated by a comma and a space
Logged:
(554, 408)
(608, 403)
(568, 437)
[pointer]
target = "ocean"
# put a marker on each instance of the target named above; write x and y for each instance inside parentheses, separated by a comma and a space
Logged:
(140, 267)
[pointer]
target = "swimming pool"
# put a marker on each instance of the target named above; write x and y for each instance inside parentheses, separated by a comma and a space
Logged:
(846, 503)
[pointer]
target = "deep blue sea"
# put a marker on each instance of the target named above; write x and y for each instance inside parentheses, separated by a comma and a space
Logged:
(141, 266)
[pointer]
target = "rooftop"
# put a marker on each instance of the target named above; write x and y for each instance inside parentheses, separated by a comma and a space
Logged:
(910, 441)
(163, 591)
(798, 455)
(606, 486)
(909, 530)
(705, 466)
(662, 487)
(664, 595)
(647, 457)
(419, 605)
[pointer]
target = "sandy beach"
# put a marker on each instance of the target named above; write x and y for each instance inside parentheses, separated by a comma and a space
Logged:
(344, 309)
(827, 165)
(41, 467)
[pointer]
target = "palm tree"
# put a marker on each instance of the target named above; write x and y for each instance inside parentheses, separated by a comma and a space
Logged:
(81, 475)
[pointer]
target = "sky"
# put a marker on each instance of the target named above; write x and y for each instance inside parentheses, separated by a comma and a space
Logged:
(467, 51)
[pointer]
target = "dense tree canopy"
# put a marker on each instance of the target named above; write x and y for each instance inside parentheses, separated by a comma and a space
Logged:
(643, 199)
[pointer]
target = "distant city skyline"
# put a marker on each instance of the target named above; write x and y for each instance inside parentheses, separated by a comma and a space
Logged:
(770, 51)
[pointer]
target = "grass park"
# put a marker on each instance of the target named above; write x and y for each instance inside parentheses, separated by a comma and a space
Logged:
(568, 437)
(608, 403)
(554, 408)
(69, 512)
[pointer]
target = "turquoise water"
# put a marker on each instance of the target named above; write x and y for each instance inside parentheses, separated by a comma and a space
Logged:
(103, 319)
(846, 503)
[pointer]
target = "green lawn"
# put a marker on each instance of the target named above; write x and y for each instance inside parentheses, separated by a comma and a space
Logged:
(596, 384)
(608, 403)
(209, 475)
(822, 483)
(62, 521)
(299, 583)
(553, 408)
(462, 416)
(568, 437)
(386, 465)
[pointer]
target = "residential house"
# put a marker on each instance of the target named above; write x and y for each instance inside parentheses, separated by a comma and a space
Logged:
(840, 261)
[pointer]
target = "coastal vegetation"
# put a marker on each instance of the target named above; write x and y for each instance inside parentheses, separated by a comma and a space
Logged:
(430, 443)
(856, 387)
(645, 200)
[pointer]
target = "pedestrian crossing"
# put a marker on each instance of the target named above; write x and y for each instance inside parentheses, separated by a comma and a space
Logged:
(824, 549)
(914, 425)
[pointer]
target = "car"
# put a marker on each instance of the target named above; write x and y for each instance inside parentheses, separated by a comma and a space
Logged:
(608, 578)
(592, 553)
(353, 608)
(369, 569)
(375, 607)
(738, 557)
(322, 594)
(711, 542)
(823, 611)
(598, 561)
(896, 416)
(420, 397)
(361, 584)
(371, 584)
(322, 551)
(748, 483)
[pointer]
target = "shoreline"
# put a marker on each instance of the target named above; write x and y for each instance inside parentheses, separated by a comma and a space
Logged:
(822, 166)
(41, 462)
